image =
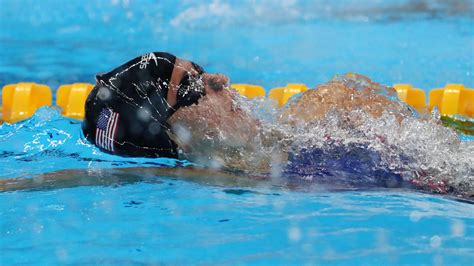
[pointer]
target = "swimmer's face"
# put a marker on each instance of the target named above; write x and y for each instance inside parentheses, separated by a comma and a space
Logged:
(214, 83)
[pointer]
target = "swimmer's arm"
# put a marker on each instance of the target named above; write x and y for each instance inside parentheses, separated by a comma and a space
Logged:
(180, 68)
(122, 176)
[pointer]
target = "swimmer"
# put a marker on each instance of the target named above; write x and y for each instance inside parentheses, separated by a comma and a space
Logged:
(237, 140)
(127, 111)
(233, 133)
(139, 109)
(219, 131)
(158, 105)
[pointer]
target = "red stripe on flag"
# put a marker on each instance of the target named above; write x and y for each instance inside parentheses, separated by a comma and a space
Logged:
(114, 128)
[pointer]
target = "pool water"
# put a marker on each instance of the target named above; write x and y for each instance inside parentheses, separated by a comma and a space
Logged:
(164, 220)
(178, 222)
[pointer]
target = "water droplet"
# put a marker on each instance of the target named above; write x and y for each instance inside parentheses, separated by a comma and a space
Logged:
(103, 93)
(435, 241)
(458, 228)
(143, 114)
(154, 128)
(182, 133)
(415, 216)
(294, 234)
(216, 163)
(278, 205)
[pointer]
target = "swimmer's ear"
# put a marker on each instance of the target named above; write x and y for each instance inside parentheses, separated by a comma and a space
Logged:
(215, 82)
(215, 86)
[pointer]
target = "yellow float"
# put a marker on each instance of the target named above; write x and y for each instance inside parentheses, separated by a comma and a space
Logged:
(72, 97)
(21, 100)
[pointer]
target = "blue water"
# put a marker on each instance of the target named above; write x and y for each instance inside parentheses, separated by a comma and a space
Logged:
(178, 222)
(182, 221)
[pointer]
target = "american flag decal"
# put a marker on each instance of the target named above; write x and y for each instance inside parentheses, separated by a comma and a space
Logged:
(106, 128)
